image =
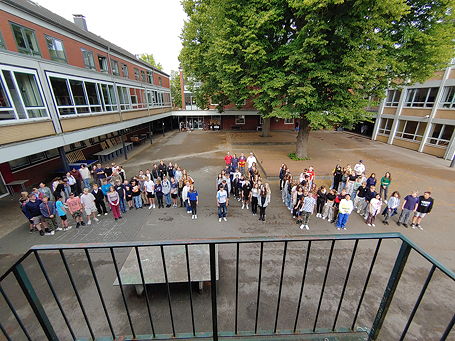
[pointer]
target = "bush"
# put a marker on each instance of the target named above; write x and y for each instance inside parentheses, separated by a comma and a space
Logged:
(294, 157)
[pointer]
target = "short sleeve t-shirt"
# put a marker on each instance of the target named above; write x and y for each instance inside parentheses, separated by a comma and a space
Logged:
(88, 200)
(60, 208)
(410, 202)
(74, 204)
(149, 186)
(221, 196)
(192, 195)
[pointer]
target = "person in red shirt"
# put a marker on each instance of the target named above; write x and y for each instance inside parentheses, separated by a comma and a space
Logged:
(75, 207)
(242, 163)
(228, 159)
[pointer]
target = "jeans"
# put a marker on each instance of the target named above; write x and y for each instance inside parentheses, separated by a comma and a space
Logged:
(167, 198)
(288, 201)
(327, 211)
(262, 212)
(305, 217)
(319, 206)
(122, 205)
(254, 204)
(222, 210)
(159, 198)
(137, 201)
(116, 210)
(342, 220)
(86, 183)
(384, 190)
(405, 216)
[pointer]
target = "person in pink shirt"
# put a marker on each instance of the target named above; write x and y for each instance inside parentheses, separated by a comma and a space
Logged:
(75, 208)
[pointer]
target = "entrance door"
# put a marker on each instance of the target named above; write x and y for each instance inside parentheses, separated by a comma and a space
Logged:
(3, 190)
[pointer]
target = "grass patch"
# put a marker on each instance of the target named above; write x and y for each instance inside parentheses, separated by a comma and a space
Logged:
(294, 157)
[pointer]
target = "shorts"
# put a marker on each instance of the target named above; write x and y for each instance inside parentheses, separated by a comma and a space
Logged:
(150, 195)
(129, 197)
(36, 220)
(76, 214)
(419, 214)
(63, 217)
(90, 210)
(174, 196)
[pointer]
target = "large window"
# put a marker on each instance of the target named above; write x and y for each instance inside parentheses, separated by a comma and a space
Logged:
(240, 119)
(20, 95)
(125, 70)
(89, 61)
(411, 130)
(33, 159)
(102, 61)
(448, 98)
(136, 74)
(385, 126)
(288, 121)
(114, 67)
(440, 134)
(150, 77)
(124, 98)
(393, 97)
(138, 99)
(74, 95)
(56, 49)
(143, 78)
(421, 97)
(25, 40)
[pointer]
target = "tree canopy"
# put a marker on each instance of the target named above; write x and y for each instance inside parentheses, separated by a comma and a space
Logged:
(148, 58)
(176, 90)
(319, 61)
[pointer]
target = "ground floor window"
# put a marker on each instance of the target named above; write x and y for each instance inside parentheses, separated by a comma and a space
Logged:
(288, 121)
(440, 134)
(385, 126)
(411, 130)
(240, 119)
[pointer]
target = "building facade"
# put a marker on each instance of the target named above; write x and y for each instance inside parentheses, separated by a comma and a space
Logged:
(420, 117)
(64, 89)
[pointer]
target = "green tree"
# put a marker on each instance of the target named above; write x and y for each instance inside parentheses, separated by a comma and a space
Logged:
(176, 90)
(316, 61)
(148, 58)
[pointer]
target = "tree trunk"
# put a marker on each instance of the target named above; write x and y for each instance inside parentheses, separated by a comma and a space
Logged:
(266, 127)
(301, 147)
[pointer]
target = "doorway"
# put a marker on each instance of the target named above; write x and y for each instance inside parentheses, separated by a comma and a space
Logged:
(3, 190)
(194, 122)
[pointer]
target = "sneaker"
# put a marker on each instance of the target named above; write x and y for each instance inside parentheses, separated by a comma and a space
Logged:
(154, 206)
(41, 233)
(219, 219)
(100, 214)
(82, 223)
(68, 228)
(358, 211)
(51, 233)
(150, 207)
(192, 216)
(247, 206)
(398, 223)
(323, 218)
(188, 212)
(225, 219)
(369, 224)
(77, 225)
(338, 228)
(31, 231)
(59, 229)
(195, 216)
(96, 219)
(307, 227)
(406, 225)
(105, 213)
(373, 225)
(243, 206)
(89, 222)
(302, 226)
(413, 225)
(420, 227)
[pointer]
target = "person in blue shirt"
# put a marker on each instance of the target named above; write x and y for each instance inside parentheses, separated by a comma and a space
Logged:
(222, 201)
(61, 212)
(105, 187)
(193, 197)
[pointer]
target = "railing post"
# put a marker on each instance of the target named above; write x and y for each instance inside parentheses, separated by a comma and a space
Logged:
(33, 300)
(213, 291)
(392, 284)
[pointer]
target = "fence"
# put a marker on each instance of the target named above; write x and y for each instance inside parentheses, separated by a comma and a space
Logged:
(44, 297)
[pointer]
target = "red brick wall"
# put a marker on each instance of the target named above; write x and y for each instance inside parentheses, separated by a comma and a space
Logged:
(72, 46)
(43, 172)
(251, 122)
(278, 124)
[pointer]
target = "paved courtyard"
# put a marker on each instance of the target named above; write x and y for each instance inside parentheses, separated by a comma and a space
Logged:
(201, 153)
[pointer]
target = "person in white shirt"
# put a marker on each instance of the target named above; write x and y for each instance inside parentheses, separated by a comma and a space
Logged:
(88, 202)
(85, 175)
(150, 189)
(185, 200)
(222, 201)
(250, 160)
(359, 168)
(344, 210)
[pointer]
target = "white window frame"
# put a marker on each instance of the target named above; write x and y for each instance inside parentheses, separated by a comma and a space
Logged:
(12, 107)
(90, 57)
(124, 99)
(411, 103)
(125, 67)
(103, 105)
(384, 131)
(105, 67)
(395, 98)
(53, 41)
(240, 122)
(26, 50)
(114, 67)
(415, 136)
(291, 122)
(448, 104)
(438, 141)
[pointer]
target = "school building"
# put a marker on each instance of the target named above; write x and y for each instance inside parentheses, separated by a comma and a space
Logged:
(420, 117)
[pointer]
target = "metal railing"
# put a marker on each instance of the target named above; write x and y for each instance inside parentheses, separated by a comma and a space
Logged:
(16, 326)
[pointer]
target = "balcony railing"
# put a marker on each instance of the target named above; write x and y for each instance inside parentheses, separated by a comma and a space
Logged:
(343, 287)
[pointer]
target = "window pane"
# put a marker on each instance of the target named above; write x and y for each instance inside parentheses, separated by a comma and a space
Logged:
(37, 157)
(4, 101)
(411, 127)
(31, 40)
(102, 63)
(91, 93)
(14, 94)
(62, 95)
(447, 133)
(55, 47)
(19, 38)
(78, 92)
(436, 130)
(29, 90)
(421, 95)
(22, 162)
(36, 113)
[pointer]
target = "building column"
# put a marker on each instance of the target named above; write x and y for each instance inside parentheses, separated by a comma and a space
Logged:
(435, 108)
(65, 164)
(393, 130)
(450, 151)
(378, 118)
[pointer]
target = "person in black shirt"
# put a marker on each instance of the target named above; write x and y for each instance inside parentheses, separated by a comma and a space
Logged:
(337, 176)
(246, 188)
(99, 200)
(155, 172)
(424, 207)
(328, 209)
(360, 197)
(108, 172)
(369, 194)
(128, 194)
(162, 169)
(320, 201)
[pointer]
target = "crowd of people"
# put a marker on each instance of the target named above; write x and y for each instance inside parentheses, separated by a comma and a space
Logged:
(350, 191)
(240, 179)
(83, 193)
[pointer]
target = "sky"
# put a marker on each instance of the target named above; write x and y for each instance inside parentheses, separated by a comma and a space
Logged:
(140, 26)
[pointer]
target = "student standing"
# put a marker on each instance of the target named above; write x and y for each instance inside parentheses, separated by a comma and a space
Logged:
(282, 174)
(385, 184)
(392, 206)
(174, 192)
(222, 202)
(344, 210)
(369, 194)
(88, 202)
(228, 159)
(409, 206)
(374, 208)
(120, 188)
(150, 189)
(136, 193)
(45, 191)
(360, 197)
(85, 176)
(328, 209)
(159, 193)
(246, 188)
(359, 168)
(129, 194)
(99, 200)
(75, 208)
(114, 201)
(242, 163)
(186, 202)
(48, 211)
(60, 207)
(307, 209)
(255, 198)
(250, 160)
(193, 198)
(320, 201)
(33, 213)
(263, 202)
(166, 188)
(424, 207)
(337, 176)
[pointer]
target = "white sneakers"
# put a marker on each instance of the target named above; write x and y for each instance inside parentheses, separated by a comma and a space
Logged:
(98, 214)
(243, 206)
(225, 219)
(105, 213)
(219, 219)
(96, 219)
(150, 207)
(89, 222)
(59, 229)
(304, 227)
(247, 206)
(194, 216)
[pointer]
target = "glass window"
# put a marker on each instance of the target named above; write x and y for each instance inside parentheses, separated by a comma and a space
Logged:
(288, 121)
(25, 40)
(31, 95)
(123, 98)
(19, 163)
(448, 98)
(440, 135)
(136, 74)
(393, 97)
(80, 101)
(240, 119)
(6, 108)
(386, 126)
(107, 91)
(102, 61)
(56, 50)
(149, 77)
(114, 67)
(125, 70)
(421, 97)
(2, 42)
(93, 97)
(62, 96)
(89, 61)
(143, 76)
(411, 130)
